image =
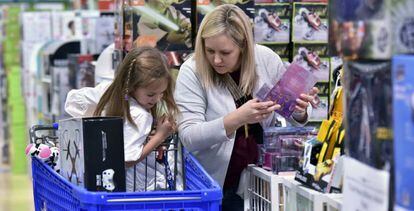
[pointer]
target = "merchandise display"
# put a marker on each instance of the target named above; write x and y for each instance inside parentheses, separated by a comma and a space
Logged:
(92, 153)
(319, 168)
(355, 139)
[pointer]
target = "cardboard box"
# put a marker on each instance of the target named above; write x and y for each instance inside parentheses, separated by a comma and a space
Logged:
(368, 112)
(403, 119)
(92, 153)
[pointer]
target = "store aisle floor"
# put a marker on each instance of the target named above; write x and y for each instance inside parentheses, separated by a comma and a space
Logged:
(15, 191)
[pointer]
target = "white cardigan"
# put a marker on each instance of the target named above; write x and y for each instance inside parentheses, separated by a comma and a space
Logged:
(201, 125)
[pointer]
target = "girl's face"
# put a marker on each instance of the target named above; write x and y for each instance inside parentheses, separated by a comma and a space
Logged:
(151, 94)
(222, 53)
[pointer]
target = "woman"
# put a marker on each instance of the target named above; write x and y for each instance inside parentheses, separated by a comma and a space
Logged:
(221, 121)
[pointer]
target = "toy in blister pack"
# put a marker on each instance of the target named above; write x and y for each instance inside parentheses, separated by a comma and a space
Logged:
(295, 81)
(283, 147)
(369, 112)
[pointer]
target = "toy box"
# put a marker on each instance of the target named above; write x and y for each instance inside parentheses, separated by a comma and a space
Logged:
(368, 113)
(360, 30)
(310, 22)
(403, 116)
(92, 153)
(166, 26)
(295, 81)
(272, 23)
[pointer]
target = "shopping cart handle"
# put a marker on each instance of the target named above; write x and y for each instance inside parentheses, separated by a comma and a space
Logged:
(154, 199)
(34, 128)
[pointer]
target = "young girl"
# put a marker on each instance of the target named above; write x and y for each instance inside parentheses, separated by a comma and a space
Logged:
(141, 89)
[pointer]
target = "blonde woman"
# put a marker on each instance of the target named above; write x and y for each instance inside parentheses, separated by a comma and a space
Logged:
(221, 120)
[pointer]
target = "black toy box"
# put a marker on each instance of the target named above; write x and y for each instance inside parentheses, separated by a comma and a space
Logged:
(92, 153)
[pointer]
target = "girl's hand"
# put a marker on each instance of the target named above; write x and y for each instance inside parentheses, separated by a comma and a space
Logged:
(254, 111)
(165, 127)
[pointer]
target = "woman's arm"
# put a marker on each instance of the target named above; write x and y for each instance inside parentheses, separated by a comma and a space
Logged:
(195, 131)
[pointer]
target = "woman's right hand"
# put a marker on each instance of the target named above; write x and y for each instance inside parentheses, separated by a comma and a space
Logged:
(254, 111)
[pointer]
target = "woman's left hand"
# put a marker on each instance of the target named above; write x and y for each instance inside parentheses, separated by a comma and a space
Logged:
(304, 100)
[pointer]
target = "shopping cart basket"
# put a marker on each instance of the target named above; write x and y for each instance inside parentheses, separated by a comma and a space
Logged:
(53, 192)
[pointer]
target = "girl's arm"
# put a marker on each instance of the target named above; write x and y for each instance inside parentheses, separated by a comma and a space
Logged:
(164, 129)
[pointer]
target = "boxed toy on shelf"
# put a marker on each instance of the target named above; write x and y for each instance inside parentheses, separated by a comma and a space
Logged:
(166, 26)
(283, 147)
(272, 23)
(369, 112)
(310, 22)
(403, 120)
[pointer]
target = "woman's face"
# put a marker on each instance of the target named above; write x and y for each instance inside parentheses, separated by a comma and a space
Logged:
(222, 53)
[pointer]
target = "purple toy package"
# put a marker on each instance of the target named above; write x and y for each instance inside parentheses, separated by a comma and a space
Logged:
(295, 81)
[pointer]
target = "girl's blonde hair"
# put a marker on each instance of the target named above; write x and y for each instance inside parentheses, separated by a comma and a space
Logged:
(140, 67)
(232, 21)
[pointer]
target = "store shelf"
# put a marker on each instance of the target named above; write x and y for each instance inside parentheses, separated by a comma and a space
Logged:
(268, 191)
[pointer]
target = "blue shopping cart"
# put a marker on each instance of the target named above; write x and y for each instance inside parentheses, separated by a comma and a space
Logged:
(53, 192)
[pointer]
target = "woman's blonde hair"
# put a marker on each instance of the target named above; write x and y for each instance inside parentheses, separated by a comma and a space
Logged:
(140, 67)
(232, 21)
